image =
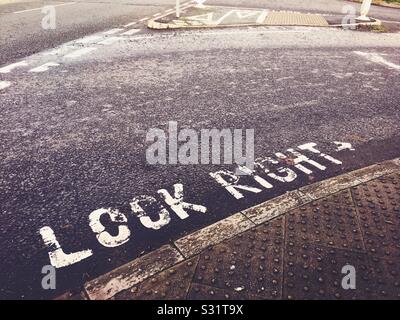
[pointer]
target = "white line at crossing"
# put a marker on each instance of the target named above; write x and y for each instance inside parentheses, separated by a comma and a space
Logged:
(79, 53)
(110, 40)
(44, 67)
(375, 57)
(130, 32)
(113, 31)
(10, 67)
(261, 18)
(4, 84)
(89, 39)
(35, 9)
(130, 24)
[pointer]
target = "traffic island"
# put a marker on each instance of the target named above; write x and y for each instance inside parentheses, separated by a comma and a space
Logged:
(334, 239)
(219, 17)
(216, 16)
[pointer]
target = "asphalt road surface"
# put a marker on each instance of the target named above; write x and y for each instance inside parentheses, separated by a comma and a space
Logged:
(75, 118)
(21, 21)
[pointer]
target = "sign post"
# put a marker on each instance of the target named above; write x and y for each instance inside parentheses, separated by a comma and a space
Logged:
(365, 6)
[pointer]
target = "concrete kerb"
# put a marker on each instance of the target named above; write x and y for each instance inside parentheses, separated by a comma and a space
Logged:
(165, 26)
(142, 268)
(134, 272)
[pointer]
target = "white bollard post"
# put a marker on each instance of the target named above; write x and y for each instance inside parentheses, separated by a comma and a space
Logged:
(365, 6)
(178, 9)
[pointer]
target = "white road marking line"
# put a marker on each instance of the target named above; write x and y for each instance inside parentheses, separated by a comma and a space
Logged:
(89, 39)
(79, 53)
(262, 16)
(130, 24)
(4, 84)
(34, 9)
(245, 14)
(142, 37)
(110, 40)
(10, 67)
(130, 32)
(224, 17)
(44, 67)
(375, 57)
(169, 11)
(58, 51)
(113, 31)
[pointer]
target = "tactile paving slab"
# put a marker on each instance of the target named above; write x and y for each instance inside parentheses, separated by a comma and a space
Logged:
(330, 221)
(378, 207)
(282, 18)
(250, 263)
(202, 292)
(315, 272)
(386, 278)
